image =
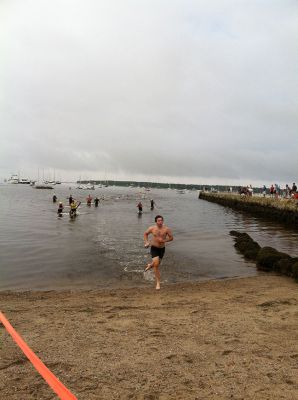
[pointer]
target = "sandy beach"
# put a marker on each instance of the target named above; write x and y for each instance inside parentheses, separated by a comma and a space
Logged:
(228, 339)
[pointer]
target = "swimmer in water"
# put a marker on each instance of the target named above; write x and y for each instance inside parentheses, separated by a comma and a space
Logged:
(89, 200)
(73, 208)
(140, 207)
(60, 209)
(152, 204)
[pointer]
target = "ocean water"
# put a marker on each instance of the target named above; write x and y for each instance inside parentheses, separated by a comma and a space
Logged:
(103, 247)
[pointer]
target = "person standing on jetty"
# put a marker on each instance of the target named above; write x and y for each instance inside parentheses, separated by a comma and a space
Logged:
(161, 235)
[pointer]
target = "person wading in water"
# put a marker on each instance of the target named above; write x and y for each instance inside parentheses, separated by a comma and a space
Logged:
(73, 208)
(152, 204)
(161, 235)
(60, 209)
(140, 208)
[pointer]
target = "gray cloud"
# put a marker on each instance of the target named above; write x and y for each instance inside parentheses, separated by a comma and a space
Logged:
(154, 89)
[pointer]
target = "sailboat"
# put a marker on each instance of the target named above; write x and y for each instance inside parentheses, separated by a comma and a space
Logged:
(90, 186)
(43, 185)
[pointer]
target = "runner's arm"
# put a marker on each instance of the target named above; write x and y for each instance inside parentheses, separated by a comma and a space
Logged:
(146, 234)
(170, 236)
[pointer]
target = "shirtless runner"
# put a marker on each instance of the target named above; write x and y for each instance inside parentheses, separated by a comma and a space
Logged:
(161, 235)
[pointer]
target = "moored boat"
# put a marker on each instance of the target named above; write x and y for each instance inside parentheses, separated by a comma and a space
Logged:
(24, 181)
(14, 179)
(42, 186)
(89, 186)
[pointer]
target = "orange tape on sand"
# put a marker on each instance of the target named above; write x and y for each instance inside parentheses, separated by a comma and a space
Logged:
(62, 392)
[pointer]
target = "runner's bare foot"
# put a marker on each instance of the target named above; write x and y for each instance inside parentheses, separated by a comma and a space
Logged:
(148, 267)
(157, 287)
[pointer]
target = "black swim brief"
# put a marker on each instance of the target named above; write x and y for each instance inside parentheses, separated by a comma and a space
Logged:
(157, 251)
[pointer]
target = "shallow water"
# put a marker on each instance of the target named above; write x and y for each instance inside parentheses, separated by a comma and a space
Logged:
(103, 247)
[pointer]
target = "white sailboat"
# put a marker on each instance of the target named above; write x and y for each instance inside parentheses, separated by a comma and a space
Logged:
(90, 186)
(43, 185)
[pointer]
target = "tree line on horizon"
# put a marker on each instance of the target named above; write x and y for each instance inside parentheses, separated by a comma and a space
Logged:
(160, 185)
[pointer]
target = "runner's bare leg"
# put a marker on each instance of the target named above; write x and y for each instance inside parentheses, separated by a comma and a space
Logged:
(156, 262)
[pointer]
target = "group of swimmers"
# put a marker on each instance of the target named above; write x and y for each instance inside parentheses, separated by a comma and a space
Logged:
(74, 205)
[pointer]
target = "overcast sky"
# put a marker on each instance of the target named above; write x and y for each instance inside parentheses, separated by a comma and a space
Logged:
(159, 90)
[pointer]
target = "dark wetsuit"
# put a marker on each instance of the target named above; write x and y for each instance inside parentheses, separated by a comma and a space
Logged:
(157, 252)
(96, 201)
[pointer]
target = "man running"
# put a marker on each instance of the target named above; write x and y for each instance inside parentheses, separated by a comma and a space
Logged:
(161, 235)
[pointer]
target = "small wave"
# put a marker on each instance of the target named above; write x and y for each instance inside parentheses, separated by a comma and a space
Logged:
(129, 269)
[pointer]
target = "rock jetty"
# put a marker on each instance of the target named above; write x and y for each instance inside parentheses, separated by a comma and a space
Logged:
(278, 209)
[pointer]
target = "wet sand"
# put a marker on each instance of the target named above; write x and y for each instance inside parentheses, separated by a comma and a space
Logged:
(231, 339)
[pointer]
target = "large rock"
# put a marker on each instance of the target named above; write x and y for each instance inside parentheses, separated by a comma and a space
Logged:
(246, 245)
(269, 259)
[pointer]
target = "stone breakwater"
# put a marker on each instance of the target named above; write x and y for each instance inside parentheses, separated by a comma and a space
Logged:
(266, 258)
(282, 210)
